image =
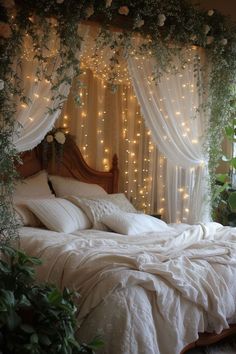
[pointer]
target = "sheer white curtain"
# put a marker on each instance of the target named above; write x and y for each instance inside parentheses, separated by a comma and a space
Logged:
(38, 116)
(108, 123)
(169, 108)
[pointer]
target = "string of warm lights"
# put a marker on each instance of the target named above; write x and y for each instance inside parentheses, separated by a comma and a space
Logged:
(144, 169)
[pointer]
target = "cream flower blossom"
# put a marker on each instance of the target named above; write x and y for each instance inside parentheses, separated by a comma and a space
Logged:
(89, 11)
(108, 3)
(210, 12)
(210, 39)
(123, 10)
(224, 41)
(60, 137)
(206, 29)
(139, 23)
(161, 20)
(49, 138)
(193, 37)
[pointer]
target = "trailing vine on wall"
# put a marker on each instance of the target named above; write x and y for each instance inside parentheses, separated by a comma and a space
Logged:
(167, 27)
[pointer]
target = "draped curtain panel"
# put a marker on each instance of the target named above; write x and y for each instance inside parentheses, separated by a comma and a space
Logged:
(108, 123)
(169, 108)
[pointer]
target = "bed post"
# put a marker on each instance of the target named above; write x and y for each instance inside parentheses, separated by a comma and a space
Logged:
(115, 172)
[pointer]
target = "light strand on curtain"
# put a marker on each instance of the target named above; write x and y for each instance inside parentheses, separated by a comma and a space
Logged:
(120, 126)
(170, 111)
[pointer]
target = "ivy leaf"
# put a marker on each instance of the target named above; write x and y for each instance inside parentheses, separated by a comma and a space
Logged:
(229, 131)
(27, 328)
(34, 338)
(45, 340)
(12, 320)
(221, 177)
(233, 162)
(232, 201)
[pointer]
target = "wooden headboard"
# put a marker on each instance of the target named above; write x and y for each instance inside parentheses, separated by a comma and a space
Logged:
(71, 165)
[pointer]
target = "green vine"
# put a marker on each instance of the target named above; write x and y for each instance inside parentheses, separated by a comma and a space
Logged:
(167, 27)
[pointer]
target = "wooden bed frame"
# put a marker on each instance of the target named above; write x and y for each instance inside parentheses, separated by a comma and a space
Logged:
(73, 165)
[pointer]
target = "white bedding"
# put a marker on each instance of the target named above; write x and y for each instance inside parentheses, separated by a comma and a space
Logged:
(145, 294)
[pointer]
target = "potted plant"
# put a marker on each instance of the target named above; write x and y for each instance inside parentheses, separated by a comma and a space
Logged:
(35, 318)
(224, 197)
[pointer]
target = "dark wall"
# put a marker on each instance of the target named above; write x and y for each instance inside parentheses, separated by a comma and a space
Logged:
(227, 7)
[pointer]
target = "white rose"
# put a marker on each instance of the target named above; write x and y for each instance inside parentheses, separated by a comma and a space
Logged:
(224, 41)
(123, 10)
(139, 23)
(108, 3)
(206, 29)
(49, 138)
(193, 37)
(161, 20)
(210, 39)
(210, 12)
(89, 11)
(1, 84)
(59, 1)
(60, 137)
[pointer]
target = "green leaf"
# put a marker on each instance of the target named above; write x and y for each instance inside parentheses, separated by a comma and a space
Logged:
(222, 177)
(8, 297)
(34, 338)
(45, 340)
(96, 343)
(232, 201)
(4, 268)
(54, 296)
(27, 328)
(229, 131)
(233, 162)
(12, 320)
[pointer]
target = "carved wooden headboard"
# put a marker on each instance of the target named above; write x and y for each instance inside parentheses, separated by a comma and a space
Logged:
(71, 165)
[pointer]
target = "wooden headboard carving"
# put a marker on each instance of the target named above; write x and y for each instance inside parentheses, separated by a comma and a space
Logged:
(71, 165)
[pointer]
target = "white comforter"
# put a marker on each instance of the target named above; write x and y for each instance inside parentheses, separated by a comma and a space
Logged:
(145, 294)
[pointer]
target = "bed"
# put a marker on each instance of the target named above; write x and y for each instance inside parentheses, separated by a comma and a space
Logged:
(167, 287)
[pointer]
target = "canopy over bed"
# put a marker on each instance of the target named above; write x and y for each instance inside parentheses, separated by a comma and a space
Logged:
(178, 185)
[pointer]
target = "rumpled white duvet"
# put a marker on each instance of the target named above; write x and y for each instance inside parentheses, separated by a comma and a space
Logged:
(144, 294)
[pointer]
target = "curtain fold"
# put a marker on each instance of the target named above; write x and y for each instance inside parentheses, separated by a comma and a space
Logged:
(178, 128)
(36, 118)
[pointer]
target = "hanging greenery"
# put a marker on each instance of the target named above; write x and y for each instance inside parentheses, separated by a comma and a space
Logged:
(167, 27)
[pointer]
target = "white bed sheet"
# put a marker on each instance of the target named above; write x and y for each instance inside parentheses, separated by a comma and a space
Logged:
(145, 294)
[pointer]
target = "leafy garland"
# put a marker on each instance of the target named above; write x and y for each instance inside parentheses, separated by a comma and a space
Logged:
(160, 22)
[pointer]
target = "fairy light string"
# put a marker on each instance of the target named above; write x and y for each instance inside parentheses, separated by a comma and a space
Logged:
(143, 166)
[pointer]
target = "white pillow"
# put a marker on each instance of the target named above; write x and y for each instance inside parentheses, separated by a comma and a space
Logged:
(133, 223)
(64, 186)
(120, 200)
(59, 215)
(34, 186)
(95, 210)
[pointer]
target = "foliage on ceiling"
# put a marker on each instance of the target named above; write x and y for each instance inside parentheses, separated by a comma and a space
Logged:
(167, 26)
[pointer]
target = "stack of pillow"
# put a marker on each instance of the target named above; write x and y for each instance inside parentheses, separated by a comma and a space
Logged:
(77, 206)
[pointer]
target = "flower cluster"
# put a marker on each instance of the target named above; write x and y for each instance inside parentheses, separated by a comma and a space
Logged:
(56, 135)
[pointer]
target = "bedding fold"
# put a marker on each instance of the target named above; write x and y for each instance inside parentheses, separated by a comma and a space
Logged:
(184, 279)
